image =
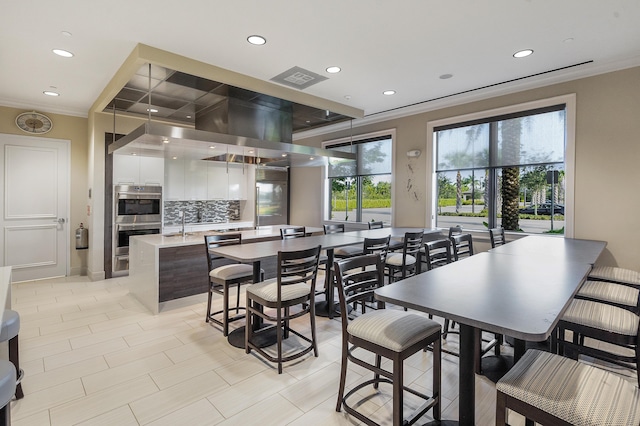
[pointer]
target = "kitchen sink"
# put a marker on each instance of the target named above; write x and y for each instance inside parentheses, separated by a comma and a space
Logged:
(178, 234)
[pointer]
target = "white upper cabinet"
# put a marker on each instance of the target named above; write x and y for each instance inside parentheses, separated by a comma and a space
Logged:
(151, 171)
(174, 180)
(195, 180)
(207, 180)
(133, 169)
(217, 181)
(238, 174)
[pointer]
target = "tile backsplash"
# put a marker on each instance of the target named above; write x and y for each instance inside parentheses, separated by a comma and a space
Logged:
(201, 211)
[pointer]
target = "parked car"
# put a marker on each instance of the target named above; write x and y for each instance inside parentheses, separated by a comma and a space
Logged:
(543, 209)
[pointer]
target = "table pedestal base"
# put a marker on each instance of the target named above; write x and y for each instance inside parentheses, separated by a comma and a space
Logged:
(442, 423)
(496, 366)
(268, 338)
(322, 309)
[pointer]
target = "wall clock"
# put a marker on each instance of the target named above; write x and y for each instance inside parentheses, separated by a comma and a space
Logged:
(34, 123)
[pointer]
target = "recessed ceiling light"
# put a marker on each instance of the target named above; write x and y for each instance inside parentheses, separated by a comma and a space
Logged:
(50, 93)
(389, 92)
(257, 40)
(188, 116)
(165, 140)
(445, 76)
(66, 33)
(310, 158)
(174, 158)
(523, 53)
(284, 155)
(212, 147)
(63, 53)
(133, 153)
(333, 70)
(250, 151)
(347, 97)
(152, 110)
(568, 40)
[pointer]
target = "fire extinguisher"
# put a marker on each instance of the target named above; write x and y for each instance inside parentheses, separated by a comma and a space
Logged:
(82, 238)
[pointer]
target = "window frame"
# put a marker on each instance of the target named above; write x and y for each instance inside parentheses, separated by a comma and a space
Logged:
(391, 134)
(568, 100)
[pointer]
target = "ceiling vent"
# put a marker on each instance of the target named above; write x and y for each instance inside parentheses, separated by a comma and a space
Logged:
(298, 78)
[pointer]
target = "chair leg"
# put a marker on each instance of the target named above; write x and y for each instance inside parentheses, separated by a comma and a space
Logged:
(343, 375)
(445, 330)
(209, 304)
(238, 300)
(5, 415)
(225, 310)
(279, 327)
(397, 392)
(312, 314)
(501, 409)
(248, 330)
(14, 357)
(437, 378)
(376, 376)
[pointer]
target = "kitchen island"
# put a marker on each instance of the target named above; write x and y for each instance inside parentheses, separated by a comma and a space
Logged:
(164, 268)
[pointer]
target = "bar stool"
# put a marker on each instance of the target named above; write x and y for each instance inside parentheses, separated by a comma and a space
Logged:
(9, 331)
(7, 390)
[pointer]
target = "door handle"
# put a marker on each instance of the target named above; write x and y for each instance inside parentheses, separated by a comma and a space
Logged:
(60, 220)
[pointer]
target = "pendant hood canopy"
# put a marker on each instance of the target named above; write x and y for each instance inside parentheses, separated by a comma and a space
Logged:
(217, 122)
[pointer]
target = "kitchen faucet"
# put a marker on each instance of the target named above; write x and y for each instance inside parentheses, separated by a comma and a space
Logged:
(183, 219)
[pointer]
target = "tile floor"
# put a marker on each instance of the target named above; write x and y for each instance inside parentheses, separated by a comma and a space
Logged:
(93, 355)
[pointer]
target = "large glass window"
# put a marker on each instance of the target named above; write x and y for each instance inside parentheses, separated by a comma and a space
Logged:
(360, 191)
(503, 171)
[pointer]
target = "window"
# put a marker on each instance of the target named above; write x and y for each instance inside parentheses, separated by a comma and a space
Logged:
(360, 191)
(504, 170)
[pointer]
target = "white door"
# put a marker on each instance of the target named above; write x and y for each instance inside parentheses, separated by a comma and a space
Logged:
(34, 189)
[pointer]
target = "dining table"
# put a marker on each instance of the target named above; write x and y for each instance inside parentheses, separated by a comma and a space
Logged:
(519, 296)
(256, 252)
(571, 249)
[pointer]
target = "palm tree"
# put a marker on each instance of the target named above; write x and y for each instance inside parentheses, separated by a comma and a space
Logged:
(510, 131)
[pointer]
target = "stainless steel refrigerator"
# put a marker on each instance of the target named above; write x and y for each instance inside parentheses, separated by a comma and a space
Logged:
(272, 196)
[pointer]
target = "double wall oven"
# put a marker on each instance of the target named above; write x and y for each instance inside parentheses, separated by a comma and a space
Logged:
(137, 210)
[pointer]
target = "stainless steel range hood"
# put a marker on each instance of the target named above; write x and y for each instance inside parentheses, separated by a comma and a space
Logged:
(174, 142)
(241, 126)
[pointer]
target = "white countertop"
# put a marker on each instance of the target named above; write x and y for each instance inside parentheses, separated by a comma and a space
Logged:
(192, 238)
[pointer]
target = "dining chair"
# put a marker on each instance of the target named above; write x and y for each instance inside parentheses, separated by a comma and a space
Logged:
(294, 286)
(437, 253)
(461, 246)
(375, 225)
(384, 333)
(9, 330)
(615, 294)
(593, 323)
(553, 390)
(616, 275)
(405, 264)
(7, 390)
(221, 278)
(342, 252)
(394, 243)
(293, 232)
(380, 246)
(455, 230)
(497, 237)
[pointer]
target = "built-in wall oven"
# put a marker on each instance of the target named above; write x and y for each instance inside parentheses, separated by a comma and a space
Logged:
(137, 211)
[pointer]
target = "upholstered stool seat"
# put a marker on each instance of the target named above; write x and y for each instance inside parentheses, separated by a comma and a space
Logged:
(268, 290)
(602, 317)
(542, 384)
(7, 390)
(9, 332)
(615, 274)
(599, 322)
(348, 251)
(392, 329)
(229, 272)
(615, 294)
(395, 259)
